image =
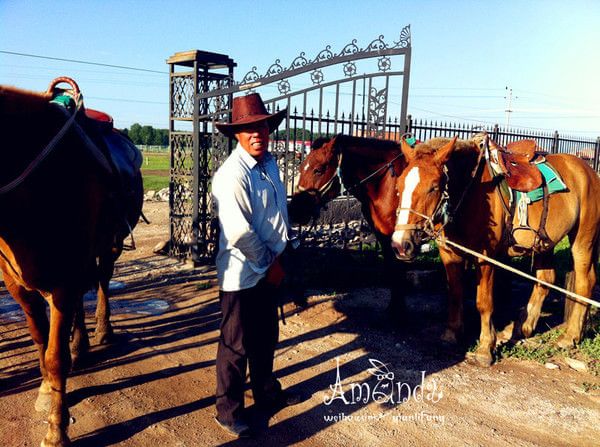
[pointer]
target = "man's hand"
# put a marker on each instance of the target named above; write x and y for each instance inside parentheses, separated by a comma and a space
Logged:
(275, 274)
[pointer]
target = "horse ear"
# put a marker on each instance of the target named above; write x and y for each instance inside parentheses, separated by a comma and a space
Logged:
(332, 144)
(407, 150)
(443, 153)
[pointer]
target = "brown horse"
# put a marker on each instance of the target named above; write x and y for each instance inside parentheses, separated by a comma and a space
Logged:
(368, 169)
(449, 179)
(59, 214)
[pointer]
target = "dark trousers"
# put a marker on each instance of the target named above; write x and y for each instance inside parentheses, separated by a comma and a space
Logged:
(249, 334)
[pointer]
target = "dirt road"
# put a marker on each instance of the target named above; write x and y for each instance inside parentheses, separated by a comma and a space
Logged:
(155, 385)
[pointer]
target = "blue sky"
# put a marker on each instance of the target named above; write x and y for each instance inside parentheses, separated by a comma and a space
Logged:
(464, 52)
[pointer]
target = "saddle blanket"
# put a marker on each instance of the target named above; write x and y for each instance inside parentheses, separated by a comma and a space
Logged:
(551, 178)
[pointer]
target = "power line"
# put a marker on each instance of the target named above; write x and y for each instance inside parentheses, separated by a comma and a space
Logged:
(81, 62)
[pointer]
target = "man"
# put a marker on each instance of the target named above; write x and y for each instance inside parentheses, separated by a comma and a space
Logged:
(251, 203)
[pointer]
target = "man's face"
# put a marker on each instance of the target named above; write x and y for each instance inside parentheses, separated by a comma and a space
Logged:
(254, 139)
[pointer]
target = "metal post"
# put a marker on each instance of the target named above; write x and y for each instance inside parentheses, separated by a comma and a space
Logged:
(555, 140)
(597, 155)
(405, 83)
(195, 166)
(495, 132)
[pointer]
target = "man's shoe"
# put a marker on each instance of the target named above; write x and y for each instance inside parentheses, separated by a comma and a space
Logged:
(237, 428)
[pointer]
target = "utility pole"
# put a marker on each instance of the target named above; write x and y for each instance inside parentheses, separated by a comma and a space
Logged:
(509, 110)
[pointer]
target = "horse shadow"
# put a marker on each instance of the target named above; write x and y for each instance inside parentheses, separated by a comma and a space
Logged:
(405, 352)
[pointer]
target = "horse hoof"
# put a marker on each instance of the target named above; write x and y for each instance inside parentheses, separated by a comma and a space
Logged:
(526, 330)
(59, 439)
(78, 360)
(42, 403)
(483, 359)
(565, 341)
(450, 337)
(104, 337)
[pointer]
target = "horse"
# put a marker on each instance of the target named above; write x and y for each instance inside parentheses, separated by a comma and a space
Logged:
(368, 168)
(448, 189)
(61, 230)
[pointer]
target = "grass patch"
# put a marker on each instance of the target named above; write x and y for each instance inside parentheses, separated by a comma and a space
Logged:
(155, 182)
(155, 170)
(156, 161)
(540, 348)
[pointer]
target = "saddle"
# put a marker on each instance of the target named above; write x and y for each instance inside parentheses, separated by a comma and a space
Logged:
(517, 163)
(121, 155)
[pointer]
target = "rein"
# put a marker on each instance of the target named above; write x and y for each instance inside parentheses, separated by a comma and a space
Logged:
(388, 165)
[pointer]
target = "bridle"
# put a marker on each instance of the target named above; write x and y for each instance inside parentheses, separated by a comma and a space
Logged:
(441, 215)
(337, 173)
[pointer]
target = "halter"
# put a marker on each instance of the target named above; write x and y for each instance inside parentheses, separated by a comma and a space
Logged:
(440, 213)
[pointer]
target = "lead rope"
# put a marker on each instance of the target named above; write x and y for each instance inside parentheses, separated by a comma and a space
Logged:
(576, 297)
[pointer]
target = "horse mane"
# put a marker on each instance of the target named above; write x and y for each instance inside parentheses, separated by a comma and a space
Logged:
(375, 144)
(430, 146)
(15, 101)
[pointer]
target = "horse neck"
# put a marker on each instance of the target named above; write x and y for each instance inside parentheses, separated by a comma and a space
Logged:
(361, 158)
(32, 123)
(475, 190)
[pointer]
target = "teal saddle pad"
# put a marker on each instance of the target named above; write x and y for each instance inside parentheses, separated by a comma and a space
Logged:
(552, 179)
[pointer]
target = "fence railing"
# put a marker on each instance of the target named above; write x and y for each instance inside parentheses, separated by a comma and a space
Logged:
(308, 127)
(342, 225)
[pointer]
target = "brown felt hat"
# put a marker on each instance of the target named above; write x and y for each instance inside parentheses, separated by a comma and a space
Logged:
(250, 109)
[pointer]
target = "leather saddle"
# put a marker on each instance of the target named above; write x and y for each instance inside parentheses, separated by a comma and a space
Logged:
(518, 164)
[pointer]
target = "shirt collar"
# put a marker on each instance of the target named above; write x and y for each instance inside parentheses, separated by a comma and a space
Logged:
(249, 159)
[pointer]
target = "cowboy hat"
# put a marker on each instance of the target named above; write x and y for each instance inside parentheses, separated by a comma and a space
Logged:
(247, 110)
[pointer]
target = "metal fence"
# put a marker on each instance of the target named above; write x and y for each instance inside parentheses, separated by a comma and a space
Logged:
(341, 225)
(586, 148)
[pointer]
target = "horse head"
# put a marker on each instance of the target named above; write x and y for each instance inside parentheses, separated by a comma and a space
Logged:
(422, 189)
(319, 181)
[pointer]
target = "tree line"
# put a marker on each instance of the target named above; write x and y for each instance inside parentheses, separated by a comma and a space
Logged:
(147, 135)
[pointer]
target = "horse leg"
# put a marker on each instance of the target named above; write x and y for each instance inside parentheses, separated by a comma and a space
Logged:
(106, 264)
(455, 266)
(544, 270)
(58, 363)
(80, 344)
(585, 253)
(395, 275)
(485, 306)
(34, 307)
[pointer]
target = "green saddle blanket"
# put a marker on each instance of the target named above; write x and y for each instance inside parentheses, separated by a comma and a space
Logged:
(551, 178)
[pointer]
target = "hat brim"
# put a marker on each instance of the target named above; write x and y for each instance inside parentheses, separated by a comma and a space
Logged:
(274, 120)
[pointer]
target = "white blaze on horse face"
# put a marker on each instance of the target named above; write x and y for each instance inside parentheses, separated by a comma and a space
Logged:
(301, 188)
(412, 180)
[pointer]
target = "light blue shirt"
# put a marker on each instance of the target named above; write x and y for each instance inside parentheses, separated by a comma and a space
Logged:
(251, 203)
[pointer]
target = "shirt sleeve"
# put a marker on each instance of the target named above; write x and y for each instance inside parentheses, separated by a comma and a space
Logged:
(235, 217)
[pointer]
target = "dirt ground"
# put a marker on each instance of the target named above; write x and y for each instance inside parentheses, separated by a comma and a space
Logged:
(155, 385)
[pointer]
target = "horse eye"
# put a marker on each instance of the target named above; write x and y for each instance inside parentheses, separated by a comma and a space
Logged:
(319, 171)
(434, 188)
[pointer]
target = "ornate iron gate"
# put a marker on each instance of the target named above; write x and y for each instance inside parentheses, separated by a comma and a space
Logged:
(320, 100)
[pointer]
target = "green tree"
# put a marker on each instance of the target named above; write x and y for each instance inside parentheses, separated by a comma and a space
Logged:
(147, 135)
(135, 133)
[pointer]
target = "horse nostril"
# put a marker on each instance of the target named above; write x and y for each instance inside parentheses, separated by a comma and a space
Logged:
(408, 247)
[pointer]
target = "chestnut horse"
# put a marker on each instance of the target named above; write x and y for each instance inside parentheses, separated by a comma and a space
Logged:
(445, 178)
(368, 168)
(59, 215)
